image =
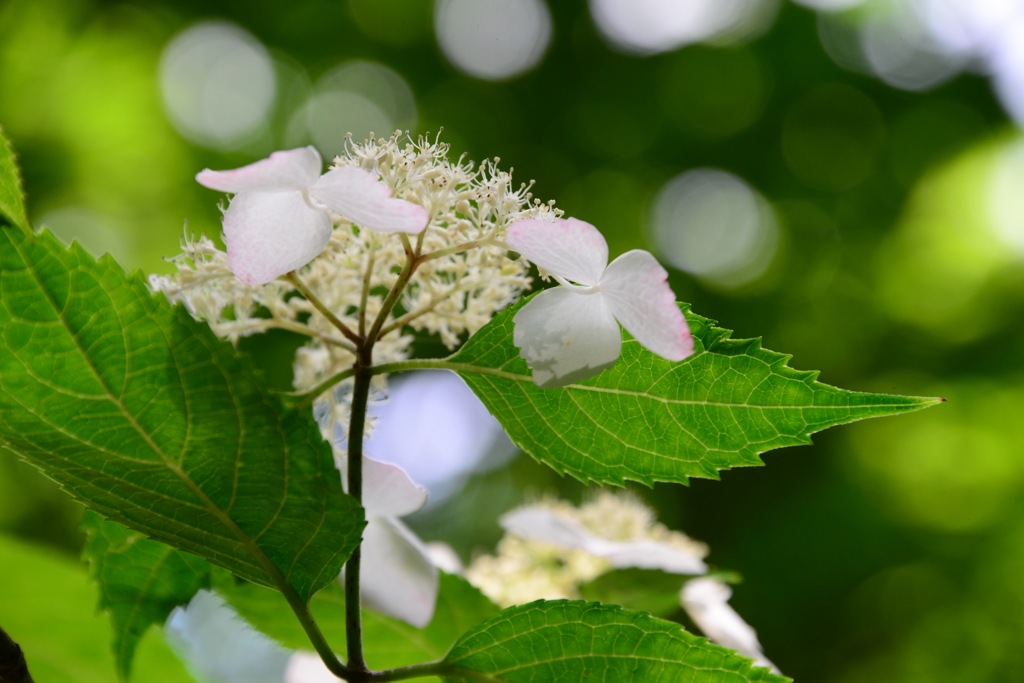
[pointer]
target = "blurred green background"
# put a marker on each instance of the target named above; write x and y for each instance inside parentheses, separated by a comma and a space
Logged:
(844, 179)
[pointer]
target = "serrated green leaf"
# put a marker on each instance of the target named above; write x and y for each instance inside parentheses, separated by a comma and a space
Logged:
(648, 419)
(645, 590)
(140, 582)
(141, 413)
(48, 607)
(387, 642)
(12, 197)
(570, 641)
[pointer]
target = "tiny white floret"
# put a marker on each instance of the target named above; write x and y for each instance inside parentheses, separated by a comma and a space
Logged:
(278, 219)
(567, 334)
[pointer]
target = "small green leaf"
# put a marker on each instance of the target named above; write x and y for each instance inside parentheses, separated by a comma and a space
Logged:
(387, 642)
(648, 419)
(140, 581)
(644, 590)
(48, 607)
(12, 197)
(141, 413)
(573, 641)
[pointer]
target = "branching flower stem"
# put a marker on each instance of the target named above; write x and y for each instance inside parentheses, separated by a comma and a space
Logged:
(353, 611)
(319, 305)
(458, 249)
(363, 370)
(366, 291)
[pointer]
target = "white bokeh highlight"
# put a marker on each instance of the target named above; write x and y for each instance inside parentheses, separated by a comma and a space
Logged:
(493, 39)
(830, 5)
(358, 97)
(647, 27)
(218, 84)
(901, 52)
(919, 44)
(714, 225)
(1006, 196)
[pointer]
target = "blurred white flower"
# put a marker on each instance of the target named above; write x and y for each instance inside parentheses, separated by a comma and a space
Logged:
(706, 600)
(435, 428)
(397, 576)
(218, 646)
(278, 219)
(567, 334)
(540, 523)
(552, 547)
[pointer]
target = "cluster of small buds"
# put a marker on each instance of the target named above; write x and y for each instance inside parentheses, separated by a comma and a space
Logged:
(532, 563)
(466, 279)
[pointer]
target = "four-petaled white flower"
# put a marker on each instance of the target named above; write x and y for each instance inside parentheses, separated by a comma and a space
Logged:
(567, 334)
(397, 576)
(278, 219)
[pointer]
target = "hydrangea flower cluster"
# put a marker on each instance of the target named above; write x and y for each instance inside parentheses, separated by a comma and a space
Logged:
(551, 548)
(397, 237)
(468, 278)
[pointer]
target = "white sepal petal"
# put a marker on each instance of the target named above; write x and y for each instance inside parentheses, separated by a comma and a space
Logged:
(363, 199)
(706, 601)
(539, 524)
(271, 233)
(568, 248)
(652, 555)
(221, 646)
(294, 169)
(566, 336)
(388, 491)
(398, 579)
(306, 667)
(636, 289)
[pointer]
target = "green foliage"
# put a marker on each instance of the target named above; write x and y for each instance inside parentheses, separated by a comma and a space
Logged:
(563, 640)
(645, 590)
(388, 642)
(649, 419)
(140, 581)
(12, 198)
(48, 606)
(145, 416)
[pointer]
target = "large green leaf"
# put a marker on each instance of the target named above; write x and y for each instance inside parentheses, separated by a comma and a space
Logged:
(145, 416)
(387, 642)
(49, 609)
(573, 641)
(649, 419)
(140, 581)
(12, 198)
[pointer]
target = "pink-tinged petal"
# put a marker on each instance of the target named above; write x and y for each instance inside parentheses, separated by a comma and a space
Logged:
(361, 198)
(636, 289)
(295, 169)
(706, 601)
(271, 233)
(566, 336)
(398, 579)
(388, 491)
(567, 248)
